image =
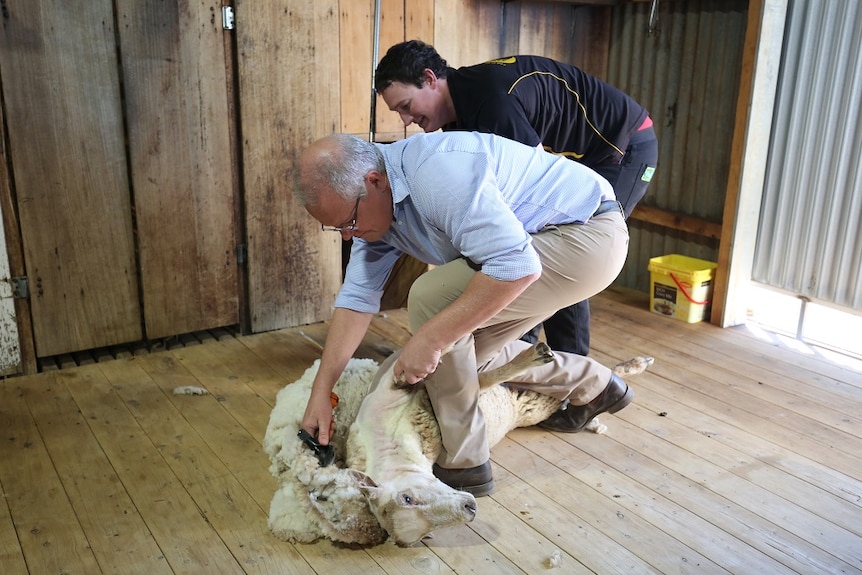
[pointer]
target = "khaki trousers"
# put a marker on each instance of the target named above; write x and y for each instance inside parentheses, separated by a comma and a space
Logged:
(578, 261)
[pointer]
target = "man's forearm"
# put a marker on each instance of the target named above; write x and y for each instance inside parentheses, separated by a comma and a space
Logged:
(346, 331)
(483, 298)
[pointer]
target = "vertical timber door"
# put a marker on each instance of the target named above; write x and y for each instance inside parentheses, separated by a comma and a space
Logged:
(119, 128)
(183, 175)
(62, 94)
(288, 58)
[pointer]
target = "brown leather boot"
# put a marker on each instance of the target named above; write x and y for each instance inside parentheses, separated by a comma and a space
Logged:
(478, 481)
(573, 418)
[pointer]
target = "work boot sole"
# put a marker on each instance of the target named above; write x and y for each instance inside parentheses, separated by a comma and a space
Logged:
(476, 476)
(626, 399)
(479, 490)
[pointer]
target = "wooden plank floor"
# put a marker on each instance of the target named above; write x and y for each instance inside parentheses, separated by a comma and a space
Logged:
(740, 454)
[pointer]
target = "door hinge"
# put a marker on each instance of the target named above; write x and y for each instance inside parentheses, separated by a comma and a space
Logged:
(241, 253)
(228, 20)
(20, 287)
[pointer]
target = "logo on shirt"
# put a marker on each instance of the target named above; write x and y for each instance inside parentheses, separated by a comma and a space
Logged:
(502, 61)
(573, 155)
(648, 174)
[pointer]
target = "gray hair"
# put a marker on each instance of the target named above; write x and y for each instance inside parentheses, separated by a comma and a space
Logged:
(341, 168)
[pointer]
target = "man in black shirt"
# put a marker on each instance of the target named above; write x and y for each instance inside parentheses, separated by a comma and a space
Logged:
(539, 102)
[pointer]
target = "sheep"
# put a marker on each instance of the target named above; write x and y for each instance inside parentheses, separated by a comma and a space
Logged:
(381, 485)
(311, 501)
(335, 501)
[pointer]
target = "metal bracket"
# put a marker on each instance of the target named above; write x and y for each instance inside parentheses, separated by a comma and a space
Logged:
(20, 287)
(228, 20)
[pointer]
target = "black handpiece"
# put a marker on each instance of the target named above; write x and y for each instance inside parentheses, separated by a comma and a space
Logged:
(325, 453)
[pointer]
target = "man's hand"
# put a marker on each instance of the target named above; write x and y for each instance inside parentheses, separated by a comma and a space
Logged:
(481, 300)
(417, 361)
(346, 331)
(318, 419)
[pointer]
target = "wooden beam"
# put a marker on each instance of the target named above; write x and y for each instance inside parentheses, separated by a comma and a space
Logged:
(677, 221)
(759, 77)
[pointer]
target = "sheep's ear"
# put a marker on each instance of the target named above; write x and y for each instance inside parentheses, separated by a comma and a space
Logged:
(367, 485)
(362, 479)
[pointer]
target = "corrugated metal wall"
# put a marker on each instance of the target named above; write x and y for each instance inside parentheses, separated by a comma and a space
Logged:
(810, 241)
(687, 74)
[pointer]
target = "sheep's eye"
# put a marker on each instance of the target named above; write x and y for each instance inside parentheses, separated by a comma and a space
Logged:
(406, 499)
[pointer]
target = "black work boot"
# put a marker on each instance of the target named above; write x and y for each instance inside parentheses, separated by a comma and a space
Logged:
(573, 418)
(478, 481)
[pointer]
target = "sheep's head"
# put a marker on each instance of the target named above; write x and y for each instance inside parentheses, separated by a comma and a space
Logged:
(341, 510)
(416, 504)
(314, 501)
(336, 510)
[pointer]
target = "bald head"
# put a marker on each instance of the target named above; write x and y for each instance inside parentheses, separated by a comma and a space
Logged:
(336, 164)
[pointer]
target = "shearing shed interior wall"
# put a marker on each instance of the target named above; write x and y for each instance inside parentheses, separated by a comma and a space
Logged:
(686, 72)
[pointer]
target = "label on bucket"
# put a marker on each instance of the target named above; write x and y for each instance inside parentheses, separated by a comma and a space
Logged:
(664, 299)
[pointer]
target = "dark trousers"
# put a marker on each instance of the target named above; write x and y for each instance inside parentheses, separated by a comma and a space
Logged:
(627, 177)
(569, 328)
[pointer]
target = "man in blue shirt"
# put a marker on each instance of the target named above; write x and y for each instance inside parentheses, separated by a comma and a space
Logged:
(515, 233)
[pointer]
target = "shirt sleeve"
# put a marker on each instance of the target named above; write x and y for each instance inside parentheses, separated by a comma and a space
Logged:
(367, 271)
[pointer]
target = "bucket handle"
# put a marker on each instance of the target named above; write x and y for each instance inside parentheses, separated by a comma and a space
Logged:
(685, 293)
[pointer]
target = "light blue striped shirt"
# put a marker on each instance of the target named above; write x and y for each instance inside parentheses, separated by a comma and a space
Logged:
(474, 195)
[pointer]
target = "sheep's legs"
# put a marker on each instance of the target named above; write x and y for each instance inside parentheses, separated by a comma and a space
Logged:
(540, 354)
(531, 357)
(633, 366)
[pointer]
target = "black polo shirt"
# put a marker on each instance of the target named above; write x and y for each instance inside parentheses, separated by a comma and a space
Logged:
(533, 99)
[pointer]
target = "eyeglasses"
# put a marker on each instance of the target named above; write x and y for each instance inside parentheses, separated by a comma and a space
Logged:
(351, 227)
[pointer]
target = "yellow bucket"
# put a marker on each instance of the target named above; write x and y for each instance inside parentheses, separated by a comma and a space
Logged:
(681, 287)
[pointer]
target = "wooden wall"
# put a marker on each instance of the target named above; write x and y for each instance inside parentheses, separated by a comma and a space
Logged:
(289, 94)
(146, 186)
(481, 31)
(64, 124)
(178, 124)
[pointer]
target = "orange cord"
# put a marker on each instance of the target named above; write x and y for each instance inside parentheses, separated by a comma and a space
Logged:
(333, 399)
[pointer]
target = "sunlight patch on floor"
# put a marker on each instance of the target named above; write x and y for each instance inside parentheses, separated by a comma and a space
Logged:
(826, 331)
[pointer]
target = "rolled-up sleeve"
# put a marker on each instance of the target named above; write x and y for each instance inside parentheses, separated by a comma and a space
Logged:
(367, 271)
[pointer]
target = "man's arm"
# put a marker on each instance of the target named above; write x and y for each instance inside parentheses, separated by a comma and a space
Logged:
(483, 298)
(346, 331)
